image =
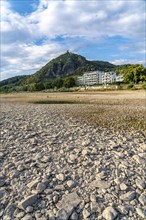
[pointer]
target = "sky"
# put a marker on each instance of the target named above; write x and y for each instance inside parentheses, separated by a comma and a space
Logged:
(35, 31)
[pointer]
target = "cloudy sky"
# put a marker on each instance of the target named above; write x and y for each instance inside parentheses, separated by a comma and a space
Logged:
(35, 31)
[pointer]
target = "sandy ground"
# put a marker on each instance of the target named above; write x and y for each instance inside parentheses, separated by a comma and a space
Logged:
(110, 109)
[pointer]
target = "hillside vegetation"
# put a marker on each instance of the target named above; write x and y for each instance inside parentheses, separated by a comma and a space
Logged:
(63, 71)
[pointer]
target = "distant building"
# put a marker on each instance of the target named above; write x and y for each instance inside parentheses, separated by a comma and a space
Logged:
(99, 77)
(119, 78)
(108, 77)
(90, 78)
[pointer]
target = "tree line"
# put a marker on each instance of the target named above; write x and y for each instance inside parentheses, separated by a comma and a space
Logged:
(56, 83)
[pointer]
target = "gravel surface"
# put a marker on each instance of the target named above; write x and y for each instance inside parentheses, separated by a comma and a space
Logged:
(54, 165)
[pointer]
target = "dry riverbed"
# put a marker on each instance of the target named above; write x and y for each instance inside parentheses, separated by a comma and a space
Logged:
(82, 158)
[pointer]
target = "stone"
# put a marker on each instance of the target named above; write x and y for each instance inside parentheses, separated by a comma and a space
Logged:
(99, 184)
(60, 177)
(62, 215)
(74, 216)
(128, 196)
(28, 201)
(21, 167)
(69, 202)
(94, 206)
(142, 199)
(123, 186)
(92, 198)
(2, 193)
(72, 157)
(27, 217)
(32, 184)
(70, 183)
(118, 180)
(41, 187)
(29, 209)
(141, 212)
(122, 209)
(86, 214)
(20, 215)
(109, 213)
(2, 182)
(140, 184)
(84, 152)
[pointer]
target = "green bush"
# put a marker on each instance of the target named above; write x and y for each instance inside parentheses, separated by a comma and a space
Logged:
(144, 86)
(130, 86)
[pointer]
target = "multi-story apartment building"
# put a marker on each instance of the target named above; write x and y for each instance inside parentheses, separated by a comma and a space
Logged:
(108, 77)
(90, 78)
(99, 77)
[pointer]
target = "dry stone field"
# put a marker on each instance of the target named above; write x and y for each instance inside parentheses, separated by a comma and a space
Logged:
(73, 161)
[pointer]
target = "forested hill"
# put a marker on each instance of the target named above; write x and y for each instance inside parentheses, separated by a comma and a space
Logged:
(66, 65)
(62, 72)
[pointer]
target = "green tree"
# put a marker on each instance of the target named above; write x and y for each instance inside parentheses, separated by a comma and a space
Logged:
(69, 82)
(58, 83)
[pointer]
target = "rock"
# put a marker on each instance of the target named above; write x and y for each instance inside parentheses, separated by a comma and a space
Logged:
(141, 212)
(62, 215)
(100, 184)
(32, 184)
(27, 217)
(28, 201)
(73, 157)
(41, 187)
(142, 199)
(140, 184)
(60, 177)
(29, 209)
(2, 182)
(2, 193)
(109, 213)
(21, 167)
(86, 214)
(74, 216)
(118, 180)
(20, 215)
(70, 183)
(92, 198)
(55, 198)
(122, 209)
(84, 152)
(128, 196)
(69, 202)
(9, 210)
(123, 186)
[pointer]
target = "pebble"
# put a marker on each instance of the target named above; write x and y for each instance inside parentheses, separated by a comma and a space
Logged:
(109, 213)
(141, 213)
(140, 184)
(55, 166)
(28, 201)
(128, 196)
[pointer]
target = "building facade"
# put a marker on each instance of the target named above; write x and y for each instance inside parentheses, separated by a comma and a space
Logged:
(99, 77)
(108, 77)
(90, 78)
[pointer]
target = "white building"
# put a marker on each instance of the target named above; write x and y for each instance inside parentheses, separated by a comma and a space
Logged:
(119, 78)
(99, 77)
(108, 77)
(90, 78)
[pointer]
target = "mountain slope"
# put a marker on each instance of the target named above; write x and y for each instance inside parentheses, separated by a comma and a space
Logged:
(65, 65)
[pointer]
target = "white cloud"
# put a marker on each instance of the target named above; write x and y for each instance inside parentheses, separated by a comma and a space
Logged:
(129, 61)
(86, 21)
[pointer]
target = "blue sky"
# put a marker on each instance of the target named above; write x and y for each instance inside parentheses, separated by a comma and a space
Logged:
(35, 31)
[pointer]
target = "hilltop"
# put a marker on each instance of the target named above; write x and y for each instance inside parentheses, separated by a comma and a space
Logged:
(67, 64)
(63, 71)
